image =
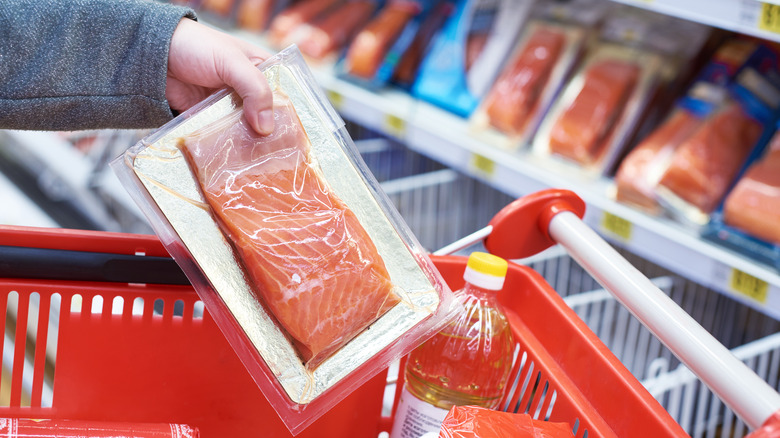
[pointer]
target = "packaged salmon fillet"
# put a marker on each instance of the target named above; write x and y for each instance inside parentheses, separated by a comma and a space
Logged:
(600, 108)
(377, 50)
(406, 71)
(734, 134)
(220, 12)
(640, 172)
(545, 55)
(284, 24)
(308, 270)
(478, 422)
(329, 35)
(748, 221)
(468, 53)
(370, 46)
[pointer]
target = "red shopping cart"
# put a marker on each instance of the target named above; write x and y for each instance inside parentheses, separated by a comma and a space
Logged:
(124, 348)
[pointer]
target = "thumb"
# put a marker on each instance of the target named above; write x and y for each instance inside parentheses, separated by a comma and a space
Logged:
(241, 74)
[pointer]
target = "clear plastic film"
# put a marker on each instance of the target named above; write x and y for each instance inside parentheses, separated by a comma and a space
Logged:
(600, 108)
(297, 253)
(477, 422)
(25, 428)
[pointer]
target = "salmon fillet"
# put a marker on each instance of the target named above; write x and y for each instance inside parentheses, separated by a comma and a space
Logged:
(516, 92)
(304, 11)
(638, 175)
(581, 129)
(370, 46)
(406, 70)
(334, 31)
(706, 164)
(312, 263)
(219, 7)
(754, 204)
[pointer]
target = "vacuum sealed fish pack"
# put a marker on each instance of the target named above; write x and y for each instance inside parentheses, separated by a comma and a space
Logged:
(551, 44)
(640, 173)
(298, 255)
(467, 54)
(749, 220)
(733, 134)
(604, 105)
(378, 48)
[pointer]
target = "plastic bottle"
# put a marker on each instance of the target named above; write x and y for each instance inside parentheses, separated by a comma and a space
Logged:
(466, 363)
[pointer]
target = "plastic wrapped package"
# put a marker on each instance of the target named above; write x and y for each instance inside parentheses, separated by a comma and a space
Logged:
(371, 44)
(705, 165)
(543, 58)
(478, 422)
(219, 10)
(754, 203)
(469, 52)
(328, 36)
(24, 428)
(641, 170)
(287, 21)
(406, 71)
(307, 269)
(600, 108)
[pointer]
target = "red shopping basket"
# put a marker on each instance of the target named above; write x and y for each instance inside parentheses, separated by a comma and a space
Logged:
(160, 361)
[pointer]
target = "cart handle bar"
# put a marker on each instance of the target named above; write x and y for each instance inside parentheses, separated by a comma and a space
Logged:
(749, 396)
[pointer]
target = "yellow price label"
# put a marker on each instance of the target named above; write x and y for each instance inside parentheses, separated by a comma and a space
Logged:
(749, 285)
(769, 19)
(483, 164)
(395, 125)
(336, 99)
(617, 225)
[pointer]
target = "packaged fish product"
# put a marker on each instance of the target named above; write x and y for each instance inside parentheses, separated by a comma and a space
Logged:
(705, 165)
(641, 170)
(543, 58)
(307, 269)
(468, 53)
(406, 71)
(753, 205)
(330, 34)
(371, 44)
(600, 108)
(286, 22)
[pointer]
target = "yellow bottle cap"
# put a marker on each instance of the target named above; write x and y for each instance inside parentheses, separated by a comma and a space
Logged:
(486, 270)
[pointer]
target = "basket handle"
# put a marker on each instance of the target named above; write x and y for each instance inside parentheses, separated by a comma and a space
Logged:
(532, 223)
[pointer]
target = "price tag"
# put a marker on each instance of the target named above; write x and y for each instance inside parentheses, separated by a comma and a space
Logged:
(617, 225)
(769, 19)
(749, 285)
(395, 125)
(336, 99)
(483, 164)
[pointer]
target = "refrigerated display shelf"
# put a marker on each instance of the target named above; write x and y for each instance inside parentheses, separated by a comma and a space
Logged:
(445, 137)
(750, 17)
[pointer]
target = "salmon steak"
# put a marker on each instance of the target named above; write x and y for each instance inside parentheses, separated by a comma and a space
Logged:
(515, 93)
(705, 165)
(306, 254)
(580, 131)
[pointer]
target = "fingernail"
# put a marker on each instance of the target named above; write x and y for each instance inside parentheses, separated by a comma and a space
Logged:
(266, 121)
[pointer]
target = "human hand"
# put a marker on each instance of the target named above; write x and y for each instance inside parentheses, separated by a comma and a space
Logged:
(202, 59)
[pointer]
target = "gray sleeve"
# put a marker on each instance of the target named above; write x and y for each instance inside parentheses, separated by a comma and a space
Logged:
(85, 64)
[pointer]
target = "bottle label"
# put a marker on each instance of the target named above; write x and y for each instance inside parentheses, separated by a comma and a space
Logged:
(414, 417)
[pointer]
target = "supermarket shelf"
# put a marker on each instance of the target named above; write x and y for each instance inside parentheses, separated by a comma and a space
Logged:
(445, 137)
(744, 16)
